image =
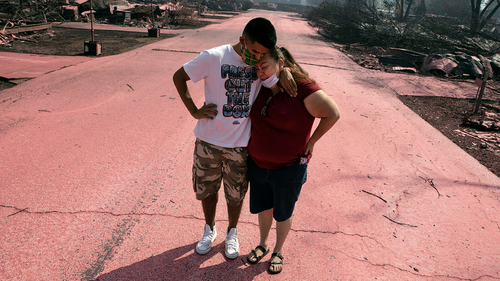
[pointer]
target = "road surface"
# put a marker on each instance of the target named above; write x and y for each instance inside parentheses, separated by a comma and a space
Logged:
(95, 177)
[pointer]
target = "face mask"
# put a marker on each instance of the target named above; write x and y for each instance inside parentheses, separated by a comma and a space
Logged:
(271, 81)
(248, 58)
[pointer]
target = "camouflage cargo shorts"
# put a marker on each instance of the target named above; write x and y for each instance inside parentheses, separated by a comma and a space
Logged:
(212, 164)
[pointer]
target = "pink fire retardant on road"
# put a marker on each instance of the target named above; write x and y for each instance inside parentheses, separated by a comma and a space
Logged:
(16, 66)
(95, 177)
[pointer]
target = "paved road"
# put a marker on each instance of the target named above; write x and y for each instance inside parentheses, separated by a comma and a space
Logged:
(95, 178)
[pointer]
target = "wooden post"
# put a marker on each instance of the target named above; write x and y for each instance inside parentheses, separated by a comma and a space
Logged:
(91, 21)
(487, 70)
(152, 15)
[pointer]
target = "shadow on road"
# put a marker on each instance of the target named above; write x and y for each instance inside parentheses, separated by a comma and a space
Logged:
(183, 263)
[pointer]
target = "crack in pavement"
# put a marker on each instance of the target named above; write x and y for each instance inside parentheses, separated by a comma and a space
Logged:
(25, 210)
(132, 215)
(346, 234)
(130, 222)
(416, 271)
(486, 214)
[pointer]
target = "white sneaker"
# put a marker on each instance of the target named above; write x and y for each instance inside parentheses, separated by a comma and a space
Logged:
(205, 244)
(232, 246)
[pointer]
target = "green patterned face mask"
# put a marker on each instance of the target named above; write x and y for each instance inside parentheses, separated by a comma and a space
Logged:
(248, 58)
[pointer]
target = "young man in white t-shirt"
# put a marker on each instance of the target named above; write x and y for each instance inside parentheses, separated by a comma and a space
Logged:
(223, 128)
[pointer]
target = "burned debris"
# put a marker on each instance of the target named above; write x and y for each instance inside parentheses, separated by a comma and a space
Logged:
(423, 43)
(483, 120)
(459, 66)
(21, 19)
(25, 16)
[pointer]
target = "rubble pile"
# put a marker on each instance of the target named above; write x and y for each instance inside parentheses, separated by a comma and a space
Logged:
(488, 120)
(7, 40)
(457, 65)
(9, 31)
(163, 14)
(224, 5)
(489, 141)
(484, 126)
(22, 20)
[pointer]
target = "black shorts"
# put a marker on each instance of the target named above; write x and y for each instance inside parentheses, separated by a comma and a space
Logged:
(278, 189)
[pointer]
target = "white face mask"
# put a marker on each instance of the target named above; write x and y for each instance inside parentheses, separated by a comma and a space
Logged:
(271, 81)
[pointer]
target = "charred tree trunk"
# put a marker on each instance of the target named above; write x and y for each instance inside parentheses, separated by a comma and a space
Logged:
(485, 20)
(479, 18)
(474, 21)
(408, 10)
(399, 10)
(402, 14)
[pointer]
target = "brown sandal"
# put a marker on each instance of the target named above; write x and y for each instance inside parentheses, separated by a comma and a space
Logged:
(254, 254)
(272, 264)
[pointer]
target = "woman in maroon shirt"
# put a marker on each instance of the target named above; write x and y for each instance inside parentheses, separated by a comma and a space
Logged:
(280, 147)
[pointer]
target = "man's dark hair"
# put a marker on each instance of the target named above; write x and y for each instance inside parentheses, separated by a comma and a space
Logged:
(262, 31)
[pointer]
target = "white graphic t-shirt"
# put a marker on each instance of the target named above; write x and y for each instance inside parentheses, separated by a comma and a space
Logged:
(233, 86)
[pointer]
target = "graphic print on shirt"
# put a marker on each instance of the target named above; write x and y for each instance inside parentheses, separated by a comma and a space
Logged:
(238, 86)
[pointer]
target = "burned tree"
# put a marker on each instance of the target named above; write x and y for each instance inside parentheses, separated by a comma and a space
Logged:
(481, 13)
(402, 10)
